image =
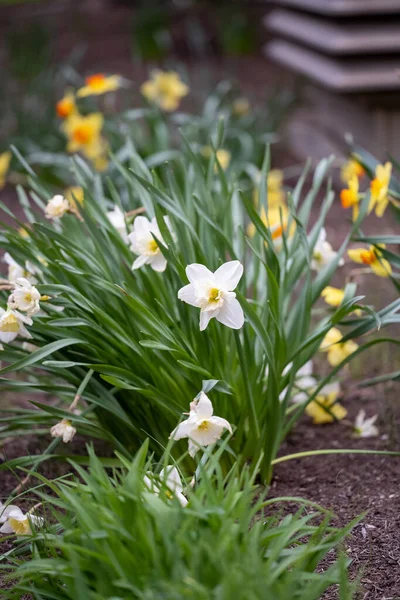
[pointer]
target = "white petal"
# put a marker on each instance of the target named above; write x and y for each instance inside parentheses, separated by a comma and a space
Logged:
(6, 510)
(306, 369)
(209, 435)
(204, 407)
(158, 262)
(231, 314)
(220, 422)
(183, 429)
(188, 294)
(141, 224)
(6, 528)
(172, 479)
(197, 273)
(181, 499)
(140, 261)
(7, 336)
(228, 275)
(193, 448)
(205, 317)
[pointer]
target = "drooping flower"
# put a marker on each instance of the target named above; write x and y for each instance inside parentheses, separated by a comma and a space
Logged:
(380, 189)
(56, 207)
(84, 135)
(350, 196)
(222, 156)
(172, 481)
(240, 107)
(325, 408)
(64, 429)
(25, 297)
(144, 244)
(363, 427)
(350, 168)
(98, 84)
(202, 428)
(323, 253)
(13, 520)
(337, 350)
(166, 89)
(372, 257)
(12, 324)
(332, 295)
(213, 293)
(66, 106)
(5, 159)
(117, 220)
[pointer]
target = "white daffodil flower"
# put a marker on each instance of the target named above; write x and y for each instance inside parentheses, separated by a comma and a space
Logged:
(64, 429)
(363, 427)
(25, 297)
(213, 293)
(117, 220)
(202, 428)
(304, 382)
(13, 520)
(16, 271)
(323, 253)
(12, 324)
(143, 243)
(171, 478)
(56, 207)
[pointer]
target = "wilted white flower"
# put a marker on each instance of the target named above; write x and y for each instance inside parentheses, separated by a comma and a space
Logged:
(213, 293)
(202, 428)
(12, 324)
(117, 220)
(363, 427)
(171, 478)
(323, 253)
(28, 347)
(143, 243)
(56, 207)
(304, 382)
(13, 520)
(64, 429)
(25, 297)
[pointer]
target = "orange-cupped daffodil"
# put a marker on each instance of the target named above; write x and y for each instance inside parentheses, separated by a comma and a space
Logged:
(98, 84)
(372, 257)
(380, 189)
(66, 106)
(166, 89)
(350, 196)
(336, 349)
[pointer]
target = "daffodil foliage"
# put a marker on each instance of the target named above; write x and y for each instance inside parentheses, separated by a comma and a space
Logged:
(144, 339)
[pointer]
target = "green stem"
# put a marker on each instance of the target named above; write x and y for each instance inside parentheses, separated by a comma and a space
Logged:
(246, 382)
(331, 451)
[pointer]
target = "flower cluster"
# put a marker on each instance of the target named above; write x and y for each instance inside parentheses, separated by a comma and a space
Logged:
(165, 89)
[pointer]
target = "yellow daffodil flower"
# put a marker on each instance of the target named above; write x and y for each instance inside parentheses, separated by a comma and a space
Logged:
(350, 197)
(98, 84)
(332, 296)
(74, 194)
(240, 107)
(373, 258)
(223, 156)
(5, 159)
(275, 191)
(337, 351)
(380, 189)
(84, 135)
(277, 221)
(326, 400)
(166, 89)
(350, 168)
(66, 106)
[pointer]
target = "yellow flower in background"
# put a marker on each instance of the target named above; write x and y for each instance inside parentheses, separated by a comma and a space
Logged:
(350, 197)
(325, 409)
(240, 107)
(350, 169)
(100, 163)
(277, 222)
(166, 89)
(23, 232)
(275, 192)
(373, 258)
(74, 194)
(66, 106)
(380, 189)
(84, 133)
(223, 156)
(337, 350)
(98, 84)
(332, 296)
(5, 159)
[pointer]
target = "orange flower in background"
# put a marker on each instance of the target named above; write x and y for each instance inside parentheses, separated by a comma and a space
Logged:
(350, 197)
(372, 257)
(166, 89)
(84, 135)
(350, 168)
(98, 84)
(66, 106)
(380, 189)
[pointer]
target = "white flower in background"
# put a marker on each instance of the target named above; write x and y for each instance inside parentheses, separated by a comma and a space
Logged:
(323, 253)
(363, 427)
(171, 478)
(202, 428)
(13, 520)
(12, 324)
(143, 243)
(56, 207)
(64, 429)
(25, 297)
(304, 382)
(213, 293)
(29, 347)
(16, 271)
(117, 220)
